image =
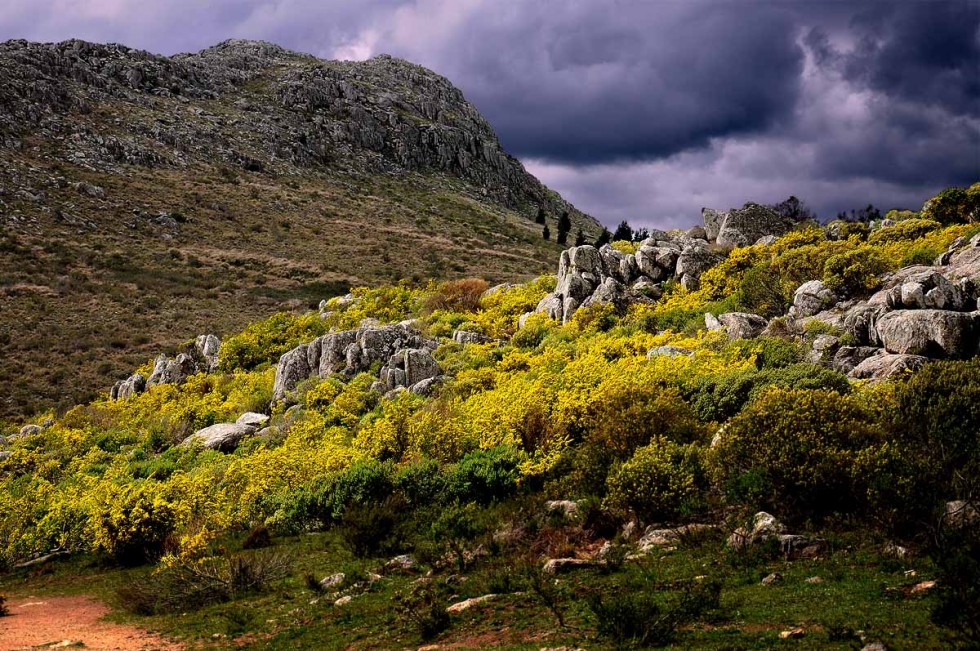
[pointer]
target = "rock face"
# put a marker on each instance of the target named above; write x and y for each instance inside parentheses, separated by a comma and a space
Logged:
(409, 368)
(713, 219)
(406, 353)
(934, 333)
(744, 226)
(384, 114)
(738, 325)
(882, 366)
(202, 358)
(223, 436)
(124, 389)
(810, 298)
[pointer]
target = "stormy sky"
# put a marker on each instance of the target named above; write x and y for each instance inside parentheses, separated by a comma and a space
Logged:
(643, 110)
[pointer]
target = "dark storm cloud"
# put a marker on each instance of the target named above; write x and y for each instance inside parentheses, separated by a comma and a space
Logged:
(643, 109)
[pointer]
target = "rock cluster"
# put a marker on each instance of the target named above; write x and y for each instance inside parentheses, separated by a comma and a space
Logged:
(202, 358)
(404, 352)
(588, 276)
(920, 313)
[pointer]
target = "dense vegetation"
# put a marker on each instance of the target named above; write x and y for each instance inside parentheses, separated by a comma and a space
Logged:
(546, 411)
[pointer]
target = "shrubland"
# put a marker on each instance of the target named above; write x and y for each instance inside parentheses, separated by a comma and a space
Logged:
(546, 411)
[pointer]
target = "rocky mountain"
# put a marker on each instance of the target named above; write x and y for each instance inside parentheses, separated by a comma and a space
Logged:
(147, 198)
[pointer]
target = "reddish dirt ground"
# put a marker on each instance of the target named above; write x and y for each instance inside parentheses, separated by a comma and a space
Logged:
(63, 622)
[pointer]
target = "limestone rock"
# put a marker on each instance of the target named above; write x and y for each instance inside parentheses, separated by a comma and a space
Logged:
(252, 419)
(428, 386)
(883, 366)
(668, 351)
(847, 358)
(29, 430)
(742, 325)
(332, 581)
(764, 526)
(713, 219)
(697, 233)
(124, 389)
(810, 298)
(208, 346)
(568, 508)
(293, 368)
(934, 333)
(466, 604)
(172, 371)
(744, 226)
(223, 436)
(693, 261)
(464, 337)
(562, 565)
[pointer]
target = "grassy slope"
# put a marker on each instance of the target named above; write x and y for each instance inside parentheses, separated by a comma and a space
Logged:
(88, 295)
(861, 591)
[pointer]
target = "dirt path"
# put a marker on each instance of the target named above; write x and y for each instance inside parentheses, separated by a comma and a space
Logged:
(60, 622)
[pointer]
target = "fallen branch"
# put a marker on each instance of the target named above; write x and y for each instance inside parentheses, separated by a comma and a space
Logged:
(41, 559)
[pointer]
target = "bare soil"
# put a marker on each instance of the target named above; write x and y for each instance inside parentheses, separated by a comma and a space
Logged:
(72, 622)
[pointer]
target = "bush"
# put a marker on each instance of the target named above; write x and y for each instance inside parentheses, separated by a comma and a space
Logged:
(362, 484)
(423, 605)
(794, 451)
(258, 538)
(485, 476)
(954, 205)
(631, 415)
(718, 399)
(371, 530)
(131, 523)
(935, 424)
(762, 292)
(4, 611)
(909, 229)
(854, 272)
(181, 585)
(264, 342)
(420, 483)
(660, 482)
(456, 296)
(957, 559)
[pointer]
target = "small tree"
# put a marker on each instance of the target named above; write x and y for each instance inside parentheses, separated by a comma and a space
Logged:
(540, 219)
(546, 233)
(624, 232)
(564, 226)
(640, 234)
(579, 238)
(604, 238)
(794, 209)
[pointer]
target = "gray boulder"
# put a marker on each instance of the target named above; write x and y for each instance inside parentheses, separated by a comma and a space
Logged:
(810, 298)
(934, 333)
(207, 347)
(744, 226)
(124, 389)
(610, 292)
(428, 387)
(223, 436)
(464, 337)
(743, 325)
(766, 240)
(697, 233)
(885, 365)
(929, 290)
(823, 349)
(848, 357)
(172, 371)
(668, 351)
(693, 261)
(293, 368)
(252, 419)
(29, 430)
(408, 368)
(713, 219)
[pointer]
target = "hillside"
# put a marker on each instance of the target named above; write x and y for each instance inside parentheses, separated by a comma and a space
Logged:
(770, 442)
(146, 199)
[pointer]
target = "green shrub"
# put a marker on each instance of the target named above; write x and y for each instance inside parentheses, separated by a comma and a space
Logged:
(631, 415)
(935, 425)
(909, 229)
(485, 476)
(854, 272)
(762, 292)
(372, 529)
(794, 451)
(362, 484)
(661, 481)
(421, 483)
(954, 205)
(720, 398)
(423, 606)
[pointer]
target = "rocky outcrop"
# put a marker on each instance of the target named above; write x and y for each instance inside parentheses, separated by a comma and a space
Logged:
(744, 226)
(411, 368)
(464, 337)
(354, 351)
(713, 219)
(933, 333)
(810, 298)
(201, 358)
(882, 366)
(738, 325)
(223, 436)
(124, 389)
